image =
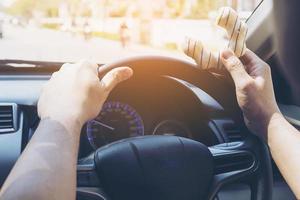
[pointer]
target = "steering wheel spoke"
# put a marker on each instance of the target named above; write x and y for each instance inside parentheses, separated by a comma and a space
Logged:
(91, 193)
(88, 183)
(233, 162)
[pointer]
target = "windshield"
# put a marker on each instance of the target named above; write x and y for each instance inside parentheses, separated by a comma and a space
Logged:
(105, 30)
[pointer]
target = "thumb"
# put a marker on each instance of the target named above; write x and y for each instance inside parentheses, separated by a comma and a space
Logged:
(115, 76)
(234, 66)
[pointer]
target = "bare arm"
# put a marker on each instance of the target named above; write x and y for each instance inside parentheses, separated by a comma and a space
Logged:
(255, 95)
(47, 167)
(284, 143)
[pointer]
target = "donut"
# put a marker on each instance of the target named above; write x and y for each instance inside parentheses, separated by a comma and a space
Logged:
(236, 30)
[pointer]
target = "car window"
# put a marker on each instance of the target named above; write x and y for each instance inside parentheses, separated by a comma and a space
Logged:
(105, 30)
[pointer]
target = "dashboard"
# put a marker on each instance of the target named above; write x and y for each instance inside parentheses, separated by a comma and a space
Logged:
(184, 103)
(190, 105)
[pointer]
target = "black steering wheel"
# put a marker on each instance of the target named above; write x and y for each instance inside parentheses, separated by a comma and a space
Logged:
(170, 167)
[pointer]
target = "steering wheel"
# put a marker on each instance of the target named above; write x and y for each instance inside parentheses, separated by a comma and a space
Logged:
(170, 167)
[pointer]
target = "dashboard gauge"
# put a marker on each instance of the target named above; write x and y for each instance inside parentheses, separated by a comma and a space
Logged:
(116, 121)
(172, 127)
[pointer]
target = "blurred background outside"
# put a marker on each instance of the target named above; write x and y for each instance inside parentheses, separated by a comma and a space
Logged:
(105, 30)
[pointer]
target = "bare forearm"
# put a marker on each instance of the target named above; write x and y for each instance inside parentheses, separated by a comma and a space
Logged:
(284, 143)
(47, 167)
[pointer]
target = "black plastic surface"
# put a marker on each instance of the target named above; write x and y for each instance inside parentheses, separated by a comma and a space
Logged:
(155, 168)
(287, 31)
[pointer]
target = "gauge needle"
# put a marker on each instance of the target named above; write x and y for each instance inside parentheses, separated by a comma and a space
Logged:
(104, 125)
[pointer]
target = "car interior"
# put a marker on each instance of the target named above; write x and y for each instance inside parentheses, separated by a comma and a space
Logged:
(178, 132)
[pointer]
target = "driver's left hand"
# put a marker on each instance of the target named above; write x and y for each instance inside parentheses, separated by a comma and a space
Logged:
(75, 94)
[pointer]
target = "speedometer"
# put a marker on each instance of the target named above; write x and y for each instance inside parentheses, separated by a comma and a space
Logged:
(116, 121)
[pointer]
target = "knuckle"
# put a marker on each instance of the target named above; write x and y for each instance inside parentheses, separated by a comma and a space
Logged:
(54, 75)
(86, 63)
(234, 63)
(94, 65)
(65, 66)
(90, 81)
(116, 76)
(82, 64)
(106, 89)
(87, 66)
(248, 85)
(267, 68)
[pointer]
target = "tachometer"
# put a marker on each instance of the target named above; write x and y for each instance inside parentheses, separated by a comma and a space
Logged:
(116, 121)
(172, 127)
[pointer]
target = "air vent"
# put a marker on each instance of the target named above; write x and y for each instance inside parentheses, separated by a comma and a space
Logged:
(228, 130)
(233, 162)
(232, 132)
(6, 118)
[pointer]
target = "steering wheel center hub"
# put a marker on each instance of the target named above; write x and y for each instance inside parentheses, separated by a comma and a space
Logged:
(155, 167)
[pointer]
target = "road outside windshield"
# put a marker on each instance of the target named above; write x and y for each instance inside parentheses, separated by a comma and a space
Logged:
(106, 30)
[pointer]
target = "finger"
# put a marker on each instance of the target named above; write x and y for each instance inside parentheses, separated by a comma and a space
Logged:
(54, 75)
(115, 76)
(235, 67)
(66, 65)
(250, 58)
(254, 64)
(88, 65)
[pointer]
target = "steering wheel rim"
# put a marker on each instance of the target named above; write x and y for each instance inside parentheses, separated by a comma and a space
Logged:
(258, 175)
